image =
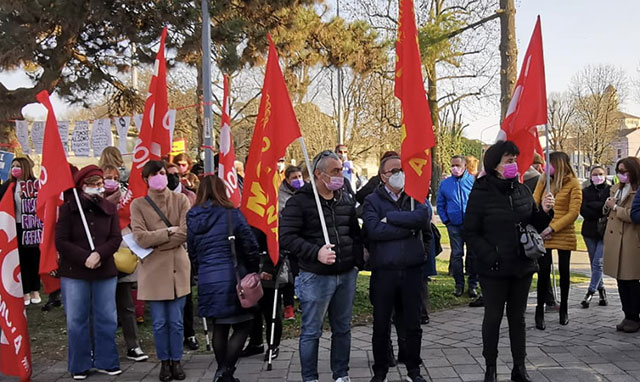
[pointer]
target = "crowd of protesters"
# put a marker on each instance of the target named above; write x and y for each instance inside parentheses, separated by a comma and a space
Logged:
(196, 237)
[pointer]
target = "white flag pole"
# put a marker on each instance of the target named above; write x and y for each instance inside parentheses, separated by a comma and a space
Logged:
(547, 174)
(323, 223)
(84, 220)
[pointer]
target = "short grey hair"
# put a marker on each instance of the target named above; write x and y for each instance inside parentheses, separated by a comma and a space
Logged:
(464, 160)
(319, 162)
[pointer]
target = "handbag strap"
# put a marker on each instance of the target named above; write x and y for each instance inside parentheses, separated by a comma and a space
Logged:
(157, 209)
(232, 242)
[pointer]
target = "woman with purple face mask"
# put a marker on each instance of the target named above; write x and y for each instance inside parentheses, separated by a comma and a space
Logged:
(560, 234)
(497, 204)
(593, 198)
(159, 221)
(621, 242)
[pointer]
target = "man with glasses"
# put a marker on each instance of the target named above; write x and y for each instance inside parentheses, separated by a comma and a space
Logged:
(327, 278)
(395, 236)
(453, 195)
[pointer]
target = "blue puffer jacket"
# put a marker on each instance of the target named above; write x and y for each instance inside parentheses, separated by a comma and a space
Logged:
(396, 243)
(635, 209)
(453, 195)
(209, 250)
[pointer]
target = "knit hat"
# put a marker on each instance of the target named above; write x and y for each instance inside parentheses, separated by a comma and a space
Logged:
(85, 173)
(537, 159)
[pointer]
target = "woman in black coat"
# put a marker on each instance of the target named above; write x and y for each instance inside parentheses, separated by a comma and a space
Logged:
(497, 204)
(593, 198)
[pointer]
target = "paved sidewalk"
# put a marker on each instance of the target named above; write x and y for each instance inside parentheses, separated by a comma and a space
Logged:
(588, 349)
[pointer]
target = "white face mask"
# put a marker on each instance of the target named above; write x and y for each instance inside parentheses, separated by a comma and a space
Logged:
(397, 180)
(97, 191)
(280, 166)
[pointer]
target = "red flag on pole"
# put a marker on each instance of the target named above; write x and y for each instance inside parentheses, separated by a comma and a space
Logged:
(55, 178)
(15, 350)
(226, 165)
(276, 127)
(528, 107)
(417, 126)
(154, 139)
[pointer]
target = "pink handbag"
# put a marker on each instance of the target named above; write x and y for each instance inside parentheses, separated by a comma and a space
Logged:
(249, 288)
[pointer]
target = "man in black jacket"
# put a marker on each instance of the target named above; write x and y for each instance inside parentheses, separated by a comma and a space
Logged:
(327, 279)
(397, 255)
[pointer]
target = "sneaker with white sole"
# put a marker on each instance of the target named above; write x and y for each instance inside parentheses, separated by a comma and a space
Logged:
(136, 354)
(115, 371)
(80, 376)
(344, 379)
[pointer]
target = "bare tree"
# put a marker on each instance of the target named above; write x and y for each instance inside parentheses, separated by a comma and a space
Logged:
(597, 92)
(560, 112)
(508, 54)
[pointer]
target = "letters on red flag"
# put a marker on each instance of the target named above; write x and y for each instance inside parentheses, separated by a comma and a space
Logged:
(417, 126)
(528, 107)
(276, 127)
(226, 163)
(15, 350)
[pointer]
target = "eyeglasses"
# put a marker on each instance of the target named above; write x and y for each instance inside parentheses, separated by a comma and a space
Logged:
(392, 172)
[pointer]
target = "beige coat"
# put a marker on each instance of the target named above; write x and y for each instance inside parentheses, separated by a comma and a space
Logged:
(165, 273)
(622, 241)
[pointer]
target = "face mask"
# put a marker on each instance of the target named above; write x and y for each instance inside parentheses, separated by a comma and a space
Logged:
(173, 180)
(397, 180)
(184, 168)
(510, 170)
(111, 185)
(551, 169)
(457, 171)
(623, 178)
(344, 157)
(280, 166)
(16, 172)
(335, 183)
(93, 191)
(598, 179)
(158, 182)
(297, 183)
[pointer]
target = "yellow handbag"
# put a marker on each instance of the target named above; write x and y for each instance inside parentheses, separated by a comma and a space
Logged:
(126, 261)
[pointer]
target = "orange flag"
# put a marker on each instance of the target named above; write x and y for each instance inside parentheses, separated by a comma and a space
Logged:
(417, 127)
(276, 127)
(55, 178)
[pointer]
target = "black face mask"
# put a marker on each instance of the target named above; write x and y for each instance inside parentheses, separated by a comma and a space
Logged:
(173, 181)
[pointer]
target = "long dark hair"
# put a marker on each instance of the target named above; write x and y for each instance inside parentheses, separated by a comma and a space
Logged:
(632, 164)
(27, 169)
(212, 190)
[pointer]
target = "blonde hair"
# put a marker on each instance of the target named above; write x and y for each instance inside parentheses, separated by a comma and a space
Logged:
(562, 170)
(472, 164)
(110, 156)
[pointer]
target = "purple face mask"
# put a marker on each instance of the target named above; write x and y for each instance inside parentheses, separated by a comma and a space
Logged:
(335, 183)
(297, 183)
(510, 170)
(158, 182)
(623, 178)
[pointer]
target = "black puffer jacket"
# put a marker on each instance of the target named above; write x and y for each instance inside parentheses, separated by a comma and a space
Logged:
(494, 209)
(593, 198)
(301, 233)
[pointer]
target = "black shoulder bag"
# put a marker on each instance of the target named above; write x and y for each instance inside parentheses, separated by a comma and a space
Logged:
(157, 209)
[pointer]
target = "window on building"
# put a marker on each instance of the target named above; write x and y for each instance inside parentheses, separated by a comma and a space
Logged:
(619, 153)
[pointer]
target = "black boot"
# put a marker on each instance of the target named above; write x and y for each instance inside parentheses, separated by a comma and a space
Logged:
(176, 371)
(564, 315)
(603, 297)
(587, 299)
(165, 371)
(519, 374)
(491, 375)
(540, 325)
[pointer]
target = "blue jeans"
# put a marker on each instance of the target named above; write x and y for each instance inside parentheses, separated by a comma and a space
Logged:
(319, 294)
(90, 306)
(595, 248)
(456, 239)
(168, 328)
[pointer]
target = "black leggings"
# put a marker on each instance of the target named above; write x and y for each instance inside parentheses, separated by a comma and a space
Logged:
(227, 349)
(266, 311)
(629, 291)
(544, 276)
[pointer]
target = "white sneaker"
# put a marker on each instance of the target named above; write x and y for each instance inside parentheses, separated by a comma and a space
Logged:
(344, 379)
(110, 371)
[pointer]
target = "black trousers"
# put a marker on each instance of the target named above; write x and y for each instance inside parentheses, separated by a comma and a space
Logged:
(29, 265)
(127, 314)
(544, 276)
(266, 312)
(227, 348)
(629, 291)
(188, 317)
(287, 294)
(402, 290)
(497, 292)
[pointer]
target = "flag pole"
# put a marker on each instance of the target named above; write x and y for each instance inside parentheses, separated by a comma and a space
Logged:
(84, 219)
(547, 155)
(323, 223)
(206, 88)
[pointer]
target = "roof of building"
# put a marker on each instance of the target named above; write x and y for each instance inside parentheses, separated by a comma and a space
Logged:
(625, 132)
(622, 114)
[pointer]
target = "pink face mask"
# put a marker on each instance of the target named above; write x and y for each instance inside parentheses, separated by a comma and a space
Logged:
(551, 170)
(158, 182)
(598, 179)
(16, 172)
(184, 168)
(510, 170)
(623, 178)
(335, 183)
(111, 185)
(456, 171)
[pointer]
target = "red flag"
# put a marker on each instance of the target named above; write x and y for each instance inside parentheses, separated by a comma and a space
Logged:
(54, 180)
(276, 127)
(15, 351)
(154, 139)
(528, 107)
(226, 165)
(417, 126)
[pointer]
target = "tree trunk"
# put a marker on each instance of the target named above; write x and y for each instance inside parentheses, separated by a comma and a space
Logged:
(508, 54)
(432, 99)
(199, 110)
